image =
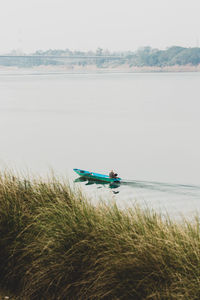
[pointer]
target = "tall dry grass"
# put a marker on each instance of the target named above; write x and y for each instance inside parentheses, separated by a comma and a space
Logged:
(56, 245)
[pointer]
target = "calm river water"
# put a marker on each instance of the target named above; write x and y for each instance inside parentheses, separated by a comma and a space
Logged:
(145, 126)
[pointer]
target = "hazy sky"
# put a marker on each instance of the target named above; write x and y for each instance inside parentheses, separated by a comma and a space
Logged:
(87, 24)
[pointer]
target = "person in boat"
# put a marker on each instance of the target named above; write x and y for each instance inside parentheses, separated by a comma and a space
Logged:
(112, 174)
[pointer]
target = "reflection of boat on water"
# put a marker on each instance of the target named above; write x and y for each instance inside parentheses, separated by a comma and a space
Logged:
(80, 179)
(111, 185)
(96, 176)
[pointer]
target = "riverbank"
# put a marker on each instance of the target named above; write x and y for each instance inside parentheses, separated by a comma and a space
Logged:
(124, 68)
(56, 245)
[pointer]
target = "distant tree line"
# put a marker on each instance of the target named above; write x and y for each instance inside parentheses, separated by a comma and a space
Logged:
(172, 56)
(145, 56)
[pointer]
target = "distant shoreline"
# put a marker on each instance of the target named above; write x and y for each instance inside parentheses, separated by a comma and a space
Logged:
(94, 69)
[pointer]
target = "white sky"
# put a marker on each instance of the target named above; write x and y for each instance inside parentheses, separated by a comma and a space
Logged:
(30, 25)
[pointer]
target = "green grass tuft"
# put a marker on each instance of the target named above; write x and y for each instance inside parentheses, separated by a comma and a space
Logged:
(56, 245)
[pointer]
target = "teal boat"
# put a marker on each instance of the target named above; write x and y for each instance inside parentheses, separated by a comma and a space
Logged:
(96, 176)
